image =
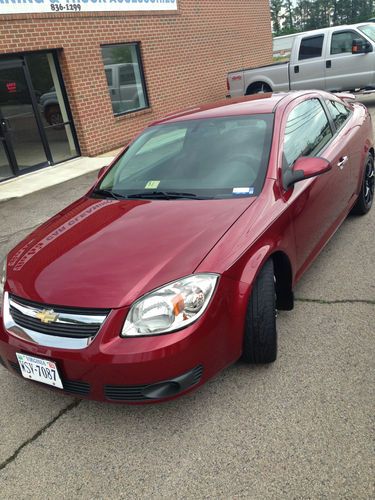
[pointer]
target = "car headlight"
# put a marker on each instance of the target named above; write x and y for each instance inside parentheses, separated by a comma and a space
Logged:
(3, 269)
(171, 307)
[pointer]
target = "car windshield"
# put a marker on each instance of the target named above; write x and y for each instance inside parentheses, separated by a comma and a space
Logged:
(211, 158)
(368, 30)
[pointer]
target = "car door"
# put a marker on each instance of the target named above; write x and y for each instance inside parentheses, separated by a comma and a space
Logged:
(307, 68)
(344, 147)
(314, 204)
(344, 70)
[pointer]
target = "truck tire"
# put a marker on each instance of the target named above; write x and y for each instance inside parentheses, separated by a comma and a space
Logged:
(258, 88)
(53, 115)
(260, 338)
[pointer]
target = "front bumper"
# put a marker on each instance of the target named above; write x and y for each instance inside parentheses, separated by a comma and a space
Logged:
(145, 369)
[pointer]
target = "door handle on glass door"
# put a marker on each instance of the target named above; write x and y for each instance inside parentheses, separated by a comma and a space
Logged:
(3, 125)
(342, 162)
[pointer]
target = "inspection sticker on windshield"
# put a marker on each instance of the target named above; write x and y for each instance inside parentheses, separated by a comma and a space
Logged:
(243, 190)
(152, 184)
(40, 370)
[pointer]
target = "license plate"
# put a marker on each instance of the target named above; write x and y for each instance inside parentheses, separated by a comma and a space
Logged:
(40, 370)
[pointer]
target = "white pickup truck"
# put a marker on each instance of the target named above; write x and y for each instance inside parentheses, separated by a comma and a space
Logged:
(334, 59)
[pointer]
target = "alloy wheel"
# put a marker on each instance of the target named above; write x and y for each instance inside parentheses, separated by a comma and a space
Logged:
(369, 181)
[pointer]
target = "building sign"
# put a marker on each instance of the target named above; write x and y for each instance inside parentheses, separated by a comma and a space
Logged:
(43, 6)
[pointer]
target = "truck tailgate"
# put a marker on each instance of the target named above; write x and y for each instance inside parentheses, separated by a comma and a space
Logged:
(235, 84)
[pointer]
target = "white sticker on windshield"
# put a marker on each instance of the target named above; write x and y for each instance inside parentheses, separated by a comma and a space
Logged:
(243, 190)
(152, 184)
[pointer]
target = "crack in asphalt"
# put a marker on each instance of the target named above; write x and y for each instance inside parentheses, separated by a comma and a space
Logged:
(338, 301)
(41, 431)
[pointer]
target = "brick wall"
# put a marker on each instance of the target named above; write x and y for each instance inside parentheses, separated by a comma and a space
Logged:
(186, 55)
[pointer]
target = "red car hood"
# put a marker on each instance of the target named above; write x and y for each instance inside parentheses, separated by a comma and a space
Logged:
(106, 253)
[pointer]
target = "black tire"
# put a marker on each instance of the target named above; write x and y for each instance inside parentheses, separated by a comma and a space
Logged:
(258, 88)
(53, 116)
(366, 195)
(260, 339)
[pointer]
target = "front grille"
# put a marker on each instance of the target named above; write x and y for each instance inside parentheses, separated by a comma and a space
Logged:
(70, 322)
(134, 393)
(71, 386)
(60, 329)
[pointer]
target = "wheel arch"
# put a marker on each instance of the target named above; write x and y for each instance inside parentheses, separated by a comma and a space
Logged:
(283, 271)
(252, 85)
(283, 281)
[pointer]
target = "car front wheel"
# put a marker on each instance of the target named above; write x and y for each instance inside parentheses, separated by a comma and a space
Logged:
(260, 339)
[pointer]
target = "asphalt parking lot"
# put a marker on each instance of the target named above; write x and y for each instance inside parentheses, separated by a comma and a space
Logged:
(301, 428)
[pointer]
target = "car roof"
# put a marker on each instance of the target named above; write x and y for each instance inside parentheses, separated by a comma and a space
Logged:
(247, 105)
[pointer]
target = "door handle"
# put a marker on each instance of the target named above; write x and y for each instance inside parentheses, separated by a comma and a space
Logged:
(328, 64)
(296, 69)
(3, 126)
(342, 162)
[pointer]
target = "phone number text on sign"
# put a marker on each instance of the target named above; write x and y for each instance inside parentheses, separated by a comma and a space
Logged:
(43, 6)
(69, 7)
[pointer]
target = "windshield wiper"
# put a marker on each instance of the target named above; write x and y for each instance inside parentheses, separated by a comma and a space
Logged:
(164, 195)
(109, 193)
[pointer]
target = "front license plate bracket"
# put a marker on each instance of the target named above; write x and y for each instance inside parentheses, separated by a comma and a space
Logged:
(39, 370)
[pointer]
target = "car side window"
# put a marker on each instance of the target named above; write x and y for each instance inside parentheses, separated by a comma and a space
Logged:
(339, 112)
(311, 47)
(342, 41)
(307, 131)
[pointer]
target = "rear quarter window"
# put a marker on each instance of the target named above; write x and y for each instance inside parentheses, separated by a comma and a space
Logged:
(339, 113)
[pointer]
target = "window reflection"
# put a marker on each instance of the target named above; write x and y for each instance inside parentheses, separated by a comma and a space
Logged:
(5, 170)
(51, 104)
(307, 131)
(123, 69)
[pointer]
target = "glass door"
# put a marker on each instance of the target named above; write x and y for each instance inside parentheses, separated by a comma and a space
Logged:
(19, 127)
(54, 113)
(5, 168)
(36, 125)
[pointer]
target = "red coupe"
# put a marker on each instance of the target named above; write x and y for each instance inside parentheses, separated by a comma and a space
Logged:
(174, 264)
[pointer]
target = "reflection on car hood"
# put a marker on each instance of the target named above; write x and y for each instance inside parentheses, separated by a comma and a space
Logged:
(106, 253)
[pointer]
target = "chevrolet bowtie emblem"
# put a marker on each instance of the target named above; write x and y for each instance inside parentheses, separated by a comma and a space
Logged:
(47, 316)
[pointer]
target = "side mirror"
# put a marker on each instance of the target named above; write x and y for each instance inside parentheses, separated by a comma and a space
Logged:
(101, 171)
(360, 46)
(304, 168)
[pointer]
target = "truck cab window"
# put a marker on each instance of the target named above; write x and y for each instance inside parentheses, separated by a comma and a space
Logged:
(342, 41)
(307, 131)
(311, 47)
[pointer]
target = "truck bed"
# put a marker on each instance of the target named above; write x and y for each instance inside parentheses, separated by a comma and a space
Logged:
(259, 67)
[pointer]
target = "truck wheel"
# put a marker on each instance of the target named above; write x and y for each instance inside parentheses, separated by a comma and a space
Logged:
(260, 339)
(258, 88)
(366, 195)
(53, 115)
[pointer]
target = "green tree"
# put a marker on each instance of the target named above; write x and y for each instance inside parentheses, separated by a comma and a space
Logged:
(314, 14)
(288, 16)
(276, 10)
